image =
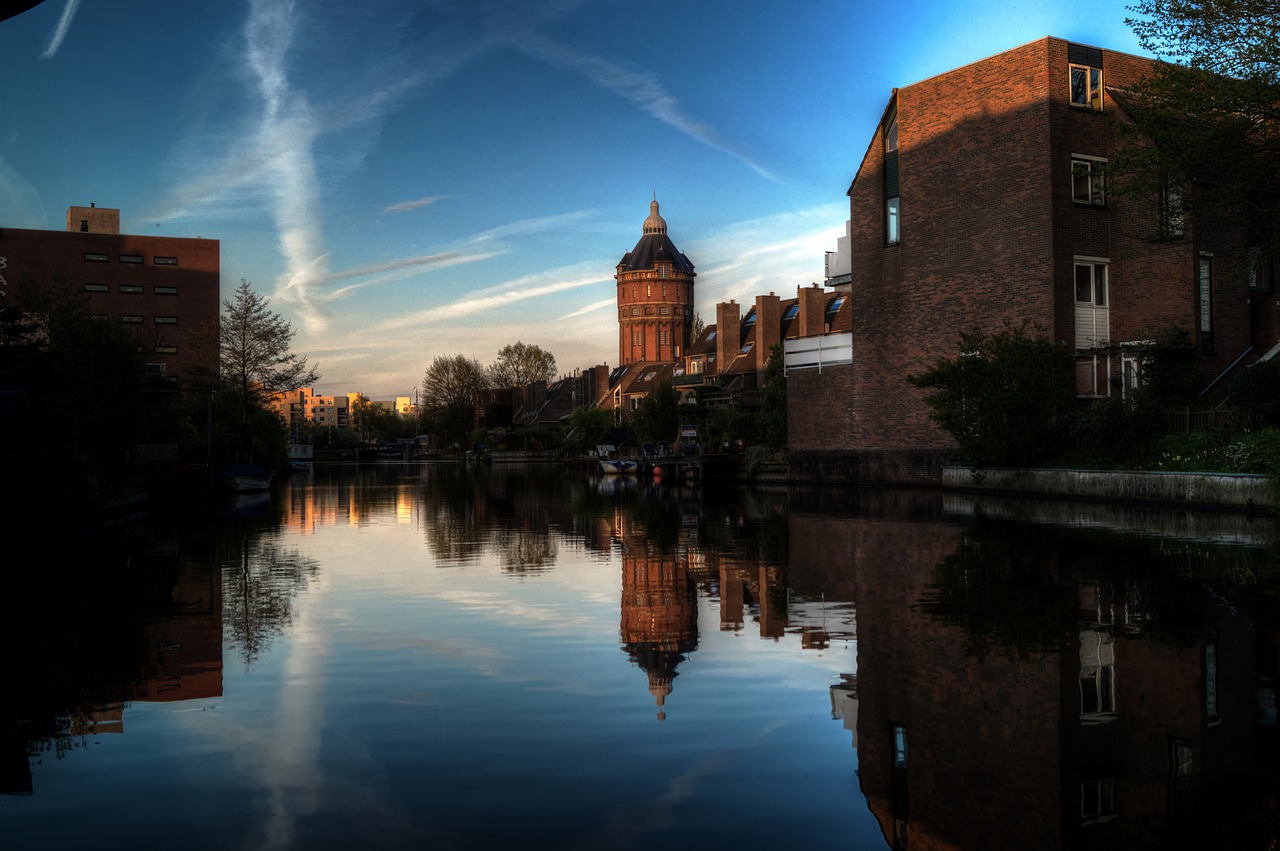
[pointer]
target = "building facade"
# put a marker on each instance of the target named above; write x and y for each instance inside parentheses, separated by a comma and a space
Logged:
(655, 297)
(162, 287)
(982, 199)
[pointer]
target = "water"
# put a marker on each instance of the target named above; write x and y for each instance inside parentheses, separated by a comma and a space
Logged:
(425, 656)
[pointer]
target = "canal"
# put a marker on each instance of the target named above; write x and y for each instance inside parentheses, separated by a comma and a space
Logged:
(431, 656)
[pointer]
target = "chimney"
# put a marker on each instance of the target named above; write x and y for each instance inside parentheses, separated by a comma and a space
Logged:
(768, 327)
(728, 335)
(813, 305)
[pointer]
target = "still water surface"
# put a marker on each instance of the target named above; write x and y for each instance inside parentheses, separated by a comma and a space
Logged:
(426, 656)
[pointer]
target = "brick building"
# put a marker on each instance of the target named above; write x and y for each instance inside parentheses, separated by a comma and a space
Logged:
(655, 297)
(981, 198)
(163, 287)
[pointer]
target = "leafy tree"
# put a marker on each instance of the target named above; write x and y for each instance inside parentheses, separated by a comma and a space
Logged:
(658, 416)
(773, 401)
(1207, 138)
(252, 343)
(519, 364)
(378, 423)
(451, 393)
(1257, 391)
(1001, 397)
(590, 426)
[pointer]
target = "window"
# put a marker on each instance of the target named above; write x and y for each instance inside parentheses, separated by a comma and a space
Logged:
(165, 290)
(1088, 180)
(892, 203)
(1086, 76)
(130, 258)
(84, 225)
(96, 288)
(1259, 269)
(1093, 325)
(892, 222)
(899, 746)
(1204, 293)
(131, 289)
(635, 311)
(165, 261)
(664, 271)
(166, 350)
(166, 320)
(95, 258)
(1097, 800)
(131, 319)
(791, 312)
(664, 311)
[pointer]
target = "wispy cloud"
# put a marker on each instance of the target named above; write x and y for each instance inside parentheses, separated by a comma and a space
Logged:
(528, 287)
(417, 204)
(60, 31)
(591, 308)
(643, 90)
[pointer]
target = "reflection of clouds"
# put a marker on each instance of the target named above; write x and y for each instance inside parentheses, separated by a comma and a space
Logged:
(625, 824)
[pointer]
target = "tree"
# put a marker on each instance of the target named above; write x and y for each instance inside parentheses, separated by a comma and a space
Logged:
(451, 393)
(657, 418)
(1002, 395)
(253, 349)
(519, 364)
(590, 426)
(1205, 130)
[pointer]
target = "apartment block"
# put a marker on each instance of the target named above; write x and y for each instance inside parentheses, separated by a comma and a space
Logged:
(982, 198)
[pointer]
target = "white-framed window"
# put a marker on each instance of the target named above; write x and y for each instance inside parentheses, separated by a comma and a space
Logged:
(1092, 314)
(1204, 295)
(892, 221)
(1086, 86)
(1088, 180)
(1097, 799)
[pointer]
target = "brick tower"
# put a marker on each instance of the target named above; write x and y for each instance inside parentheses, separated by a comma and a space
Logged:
(655, 297)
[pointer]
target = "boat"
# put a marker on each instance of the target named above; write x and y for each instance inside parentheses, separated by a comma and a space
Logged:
(300, 455)
(245, 478)
(617, 466)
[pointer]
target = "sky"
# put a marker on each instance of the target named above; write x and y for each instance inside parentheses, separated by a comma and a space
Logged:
(406, 179)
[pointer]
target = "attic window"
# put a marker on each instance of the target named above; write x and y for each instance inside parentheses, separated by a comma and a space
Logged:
(664, 270)
(648, 376)
(791, 312)
(751, 318)
(747, 348)
(1086, 76)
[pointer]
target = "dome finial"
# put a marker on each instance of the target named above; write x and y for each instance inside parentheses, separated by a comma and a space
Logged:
(655, 223)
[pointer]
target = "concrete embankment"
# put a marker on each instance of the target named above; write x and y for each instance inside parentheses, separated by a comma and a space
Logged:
(1210, 491)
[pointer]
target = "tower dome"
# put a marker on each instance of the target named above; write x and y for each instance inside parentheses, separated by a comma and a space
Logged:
(655, 223)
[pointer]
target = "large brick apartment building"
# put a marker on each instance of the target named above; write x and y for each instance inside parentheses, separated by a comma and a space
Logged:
(980, 199)
(162, 287)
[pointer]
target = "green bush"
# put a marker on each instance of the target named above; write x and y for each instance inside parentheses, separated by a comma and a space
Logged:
(1002, 396)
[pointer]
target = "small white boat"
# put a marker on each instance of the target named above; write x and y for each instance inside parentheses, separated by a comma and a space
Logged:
(244, 478)
(617, 467)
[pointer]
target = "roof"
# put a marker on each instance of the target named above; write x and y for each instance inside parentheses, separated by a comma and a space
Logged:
(654, 247)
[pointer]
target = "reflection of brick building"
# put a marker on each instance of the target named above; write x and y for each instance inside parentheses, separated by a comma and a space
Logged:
(659, 614)
(160, 287)
(1105, 740)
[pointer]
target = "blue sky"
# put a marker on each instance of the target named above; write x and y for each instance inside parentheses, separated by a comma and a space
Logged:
(412, 179)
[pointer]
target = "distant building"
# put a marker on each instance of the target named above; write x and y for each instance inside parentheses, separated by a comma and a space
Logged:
(655, 297)
(304, 406)
(161, 287)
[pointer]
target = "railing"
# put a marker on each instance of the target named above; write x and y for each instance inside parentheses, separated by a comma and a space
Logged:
(1195, 419)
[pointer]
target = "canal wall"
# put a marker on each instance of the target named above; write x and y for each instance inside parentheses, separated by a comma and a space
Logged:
(1212, 491)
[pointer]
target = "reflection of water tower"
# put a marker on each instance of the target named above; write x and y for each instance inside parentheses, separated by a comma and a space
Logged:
(659, 615)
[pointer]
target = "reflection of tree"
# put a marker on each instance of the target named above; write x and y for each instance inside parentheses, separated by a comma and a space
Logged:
(524, 551)
(1000, 586)
(259, 582)
(1018, 586)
